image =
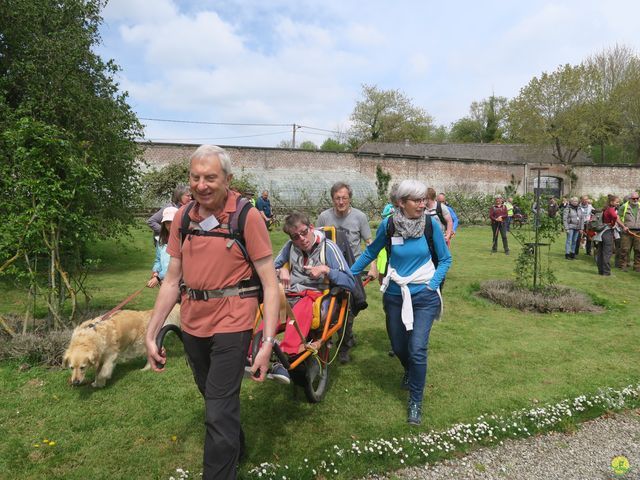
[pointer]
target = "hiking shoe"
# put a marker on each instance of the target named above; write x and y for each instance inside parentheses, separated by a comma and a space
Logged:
(344, 357)
(280, 374)
(506, 252)
(414, 413)
(405, 381)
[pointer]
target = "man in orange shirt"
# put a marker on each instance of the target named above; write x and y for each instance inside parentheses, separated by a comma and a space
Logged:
(217, 306)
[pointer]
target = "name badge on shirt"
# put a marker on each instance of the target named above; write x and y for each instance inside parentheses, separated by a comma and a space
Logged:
(397, 241)
(209, 223)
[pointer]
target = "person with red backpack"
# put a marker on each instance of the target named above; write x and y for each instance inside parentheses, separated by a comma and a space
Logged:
(221, 263)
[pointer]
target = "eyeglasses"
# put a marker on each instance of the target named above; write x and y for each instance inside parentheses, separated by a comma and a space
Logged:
(302, 234)
(635, 198)
(418, 200)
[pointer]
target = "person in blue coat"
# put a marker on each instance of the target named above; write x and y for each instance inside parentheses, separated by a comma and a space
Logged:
(161, 263)
(411, 286)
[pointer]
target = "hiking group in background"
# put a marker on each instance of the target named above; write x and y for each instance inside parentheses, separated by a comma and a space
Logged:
(614, 229)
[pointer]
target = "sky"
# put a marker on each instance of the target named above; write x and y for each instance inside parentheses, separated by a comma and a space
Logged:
(277, 63)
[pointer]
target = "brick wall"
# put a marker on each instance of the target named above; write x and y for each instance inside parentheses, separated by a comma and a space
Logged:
(288, 172)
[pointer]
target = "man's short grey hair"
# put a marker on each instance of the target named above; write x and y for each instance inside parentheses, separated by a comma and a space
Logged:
(411, 188)
(206, 151)
(339, 186)
(574, 199)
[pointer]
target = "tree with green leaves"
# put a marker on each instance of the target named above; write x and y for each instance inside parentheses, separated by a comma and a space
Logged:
(388, 116)
(627, 97)
(308, 145)
(611, 69)
(382, 182)
(333, 145)
(485, 123)
(69, 160)
(617, 108)
(553, 110)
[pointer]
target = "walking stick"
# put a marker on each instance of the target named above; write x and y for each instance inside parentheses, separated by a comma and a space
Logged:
(495, 234)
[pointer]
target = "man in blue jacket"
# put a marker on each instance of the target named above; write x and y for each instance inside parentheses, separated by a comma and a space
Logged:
(263, 204)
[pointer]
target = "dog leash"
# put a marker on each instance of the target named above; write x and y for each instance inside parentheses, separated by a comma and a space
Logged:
(115, 309)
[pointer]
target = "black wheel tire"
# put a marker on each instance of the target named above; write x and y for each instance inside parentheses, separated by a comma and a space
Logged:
(317, 375)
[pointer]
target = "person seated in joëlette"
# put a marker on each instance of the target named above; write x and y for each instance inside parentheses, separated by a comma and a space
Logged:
(307, 264)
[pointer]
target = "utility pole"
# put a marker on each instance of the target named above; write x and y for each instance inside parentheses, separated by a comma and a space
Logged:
(293, 140)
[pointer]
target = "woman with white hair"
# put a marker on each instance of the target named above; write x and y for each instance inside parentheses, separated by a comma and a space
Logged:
(411, 285)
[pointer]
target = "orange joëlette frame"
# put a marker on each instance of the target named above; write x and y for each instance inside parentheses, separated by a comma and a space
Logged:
(327, 331)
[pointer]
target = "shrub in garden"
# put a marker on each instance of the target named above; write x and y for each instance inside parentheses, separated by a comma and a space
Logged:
(546, 300)
(37, 348)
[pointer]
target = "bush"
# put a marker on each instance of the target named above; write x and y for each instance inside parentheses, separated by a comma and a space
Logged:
(548, 300)
(37, 348)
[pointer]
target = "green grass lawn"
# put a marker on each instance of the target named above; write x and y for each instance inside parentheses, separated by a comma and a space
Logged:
(482, 359)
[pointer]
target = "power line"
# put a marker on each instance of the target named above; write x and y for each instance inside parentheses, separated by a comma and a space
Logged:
(315, 133)
(320, 129)
(237, 124)
(223, 138)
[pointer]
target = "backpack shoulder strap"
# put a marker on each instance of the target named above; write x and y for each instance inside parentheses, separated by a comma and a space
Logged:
(237, 221)
(440, 214)
(428, 233)
(391, 230)
(186, 221)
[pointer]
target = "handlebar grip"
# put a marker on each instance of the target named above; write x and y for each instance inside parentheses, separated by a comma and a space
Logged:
(160, 338)
(257, 341)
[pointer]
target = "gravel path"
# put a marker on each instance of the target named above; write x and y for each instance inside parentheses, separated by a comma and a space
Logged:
(585, 454)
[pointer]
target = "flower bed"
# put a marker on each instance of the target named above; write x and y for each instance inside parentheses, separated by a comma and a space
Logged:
(433, 446)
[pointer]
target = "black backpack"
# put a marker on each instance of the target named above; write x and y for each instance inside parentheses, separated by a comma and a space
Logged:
(440, 216)
(428, 233)
(235, 234)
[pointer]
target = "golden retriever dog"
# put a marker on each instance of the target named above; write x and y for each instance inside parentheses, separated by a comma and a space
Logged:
(101, 343)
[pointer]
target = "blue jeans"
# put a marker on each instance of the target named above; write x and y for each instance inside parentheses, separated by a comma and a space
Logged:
(572, 239)
(411, 348)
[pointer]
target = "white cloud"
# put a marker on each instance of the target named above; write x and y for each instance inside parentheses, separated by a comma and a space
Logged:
(139, 10)
(419, 63)
(291, 32)
(202, 40)
(366, 35)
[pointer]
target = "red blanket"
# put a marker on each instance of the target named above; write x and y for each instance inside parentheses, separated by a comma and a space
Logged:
(303, 311)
